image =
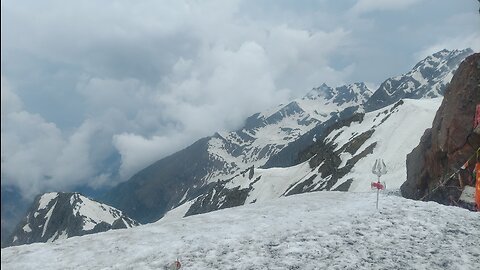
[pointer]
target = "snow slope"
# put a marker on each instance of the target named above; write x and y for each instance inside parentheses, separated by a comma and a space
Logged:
(319, 230)
(396, 137)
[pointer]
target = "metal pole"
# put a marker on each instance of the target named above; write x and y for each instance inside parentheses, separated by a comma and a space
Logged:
(378, 190)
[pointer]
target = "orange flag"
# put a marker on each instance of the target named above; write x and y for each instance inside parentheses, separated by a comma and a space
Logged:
(477, 192)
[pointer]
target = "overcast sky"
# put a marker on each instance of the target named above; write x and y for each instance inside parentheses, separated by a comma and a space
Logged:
(93, 91)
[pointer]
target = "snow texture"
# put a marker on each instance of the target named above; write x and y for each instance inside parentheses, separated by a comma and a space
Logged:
(45, 199)
(319, 230)
(396, 136)
(94, 212)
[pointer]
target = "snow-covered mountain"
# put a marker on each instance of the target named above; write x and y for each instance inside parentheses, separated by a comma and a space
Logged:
(318, 230)
(341, 159)
(184, 175)
(427, 79)
(265, 134)
(278, 138)
(57, 215)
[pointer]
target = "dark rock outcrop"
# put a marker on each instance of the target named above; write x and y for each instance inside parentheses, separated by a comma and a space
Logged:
(445, 147)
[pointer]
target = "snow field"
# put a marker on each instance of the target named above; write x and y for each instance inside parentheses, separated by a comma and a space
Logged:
(320, 230)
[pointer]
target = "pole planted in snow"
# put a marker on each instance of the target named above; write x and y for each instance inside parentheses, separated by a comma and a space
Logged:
(378, 191)
(379, 169)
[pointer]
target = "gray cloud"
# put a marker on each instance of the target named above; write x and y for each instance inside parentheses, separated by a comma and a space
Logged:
(92, 93)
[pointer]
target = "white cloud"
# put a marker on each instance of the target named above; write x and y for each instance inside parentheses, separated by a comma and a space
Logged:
(10, 101)
(37, 156)
(29, 145)
(220, 87)
(138, 152)
(460, 42)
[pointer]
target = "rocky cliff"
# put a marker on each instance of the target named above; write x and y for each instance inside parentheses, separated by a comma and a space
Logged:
(450, 141)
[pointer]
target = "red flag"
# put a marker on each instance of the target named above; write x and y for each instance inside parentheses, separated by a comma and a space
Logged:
(377, 185)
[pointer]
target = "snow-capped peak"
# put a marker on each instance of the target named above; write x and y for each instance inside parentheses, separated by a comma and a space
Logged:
(356, 93)
(58, 215)
(427, 79)
(323, 91)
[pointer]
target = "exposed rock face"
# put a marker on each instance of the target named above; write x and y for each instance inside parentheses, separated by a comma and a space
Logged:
(450, 142)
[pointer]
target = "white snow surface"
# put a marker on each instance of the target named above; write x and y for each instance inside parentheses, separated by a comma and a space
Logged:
(27, 228)
(45, 199)
(272, 183)
(47, 218)
(396, 137)
(319, 230)
(94, 212)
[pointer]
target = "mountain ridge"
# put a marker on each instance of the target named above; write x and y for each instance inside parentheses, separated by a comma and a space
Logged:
(427, 79)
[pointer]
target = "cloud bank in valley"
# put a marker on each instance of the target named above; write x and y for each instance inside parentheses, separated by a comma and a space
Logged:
(92, 93)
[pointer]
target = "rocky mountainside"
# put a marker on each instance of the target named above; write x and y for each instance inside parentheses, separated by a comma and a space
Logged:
(449, 142)
(186, 174)
(427, 79)
(57, 215)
